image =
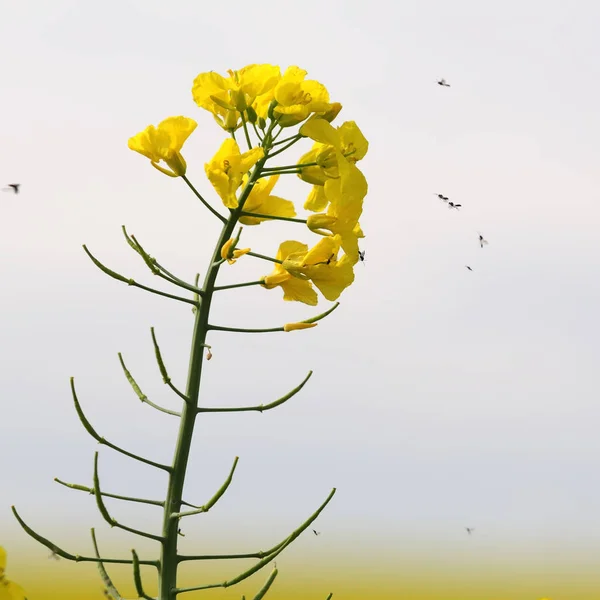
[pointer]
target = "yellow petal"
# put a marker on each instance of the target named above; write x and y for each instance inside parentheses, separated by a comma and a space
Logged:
(298, 290)
(321, 131)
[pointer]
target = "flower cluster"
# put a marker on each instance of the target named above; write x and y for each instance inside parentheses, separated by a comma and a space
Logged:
(260, 100)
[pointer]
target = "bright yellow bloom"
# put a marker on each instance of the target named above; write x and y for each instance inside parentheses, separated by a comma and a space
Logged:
(261, 201)
(321, 266)
(231, 254)
(347, 138)
(227, 168)
(164, 143)
(345, 196)
(225, 97)
(8, 589)
(293, 288)
(296, 326)
(298, 98)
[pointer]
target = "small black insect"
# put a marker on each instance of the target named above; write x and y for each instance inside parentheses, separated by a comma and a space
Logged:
(316, 532)
(452, 205)
(442, 197)
(361, 256)
(482, 242)
(468, 267)
(14, 186)
(443, 83)
(470, 530)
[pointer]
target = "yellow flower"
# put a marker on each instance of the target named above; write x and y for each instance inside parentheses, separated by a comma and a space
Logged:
(164, 143)
(296, 326)
(347, 138)
(345, 196)
(261, 201)
(297, 98)
(227, 168)
(321, 266)
(231, 254)
(225, 97)
(293, 288)
(8, 589)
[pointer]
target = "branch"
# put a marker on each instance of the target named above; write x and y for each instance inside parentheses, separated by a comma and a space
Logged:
(75, 486)
(261, 407)
(101, 440)
(74, 557)
(268, 557)
(143, 398)
(214, 499)
(272, 329)
(265, 588)
(137, 578)
(133, 283)
(158, 269)
(111, 590)
(212, 210)
(105, 514)
(163, 369)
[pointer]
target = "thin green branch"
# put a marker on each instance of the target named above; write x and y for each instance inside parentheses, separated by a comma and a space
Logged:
(214, 499)
(272, 329)
(137, 578)
(137, 247)
(212, 210)
(245, 126)
(88, 427)
(143, 398)
(163, 369)
(269, 258)
(261, 563)
(156, 268)
(273, 217)
(265, 588)
(258, 135)
(134, 283)
(74, 557)
(89, 490)
(261, 407)
(276, 171)
(218, 288)
(288, 167)
(284, 140)
(330, 596)
(111, 591)
(104, 511)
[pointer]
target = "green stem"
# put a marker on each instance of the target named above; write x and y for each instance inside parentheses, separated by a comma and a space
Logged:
(256, 255)
(167, 587)
(298, 166)
(218, 288)
(284, 148)
(273, 217)
(245, 126)
(197, 193)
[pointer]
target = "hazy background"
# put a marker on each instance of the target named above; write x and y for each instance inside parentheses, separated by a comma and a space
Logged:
(441, 398)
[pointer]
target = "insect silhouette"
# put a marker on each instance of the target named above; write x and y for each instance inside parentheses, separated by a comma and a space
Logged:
(14, 186)
(468, 267)
(482, 242)
(452, 205)
(361, 256)
(442, 197)
(470, 530)
(316, 532)
(443, 83)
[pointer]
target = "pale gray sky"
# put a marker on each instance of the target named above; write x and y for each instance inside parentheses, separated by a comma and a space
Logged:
(441, 398)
